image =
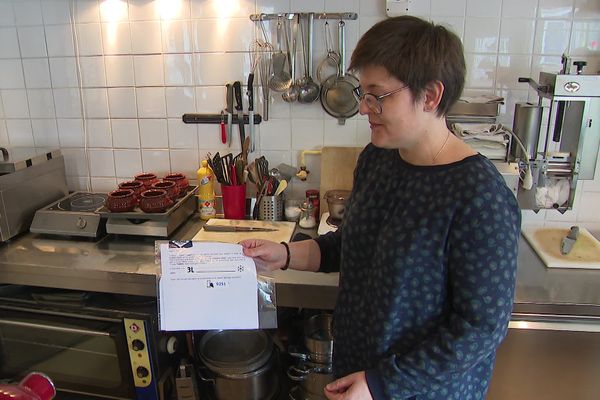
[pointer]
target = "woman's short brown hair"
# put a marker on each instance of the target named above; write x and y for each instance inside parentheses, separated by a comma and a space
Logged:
(416, 52)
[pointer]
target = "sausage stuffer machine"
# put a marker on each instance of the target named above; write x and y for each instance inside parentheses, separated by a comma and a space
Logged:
(557, 154)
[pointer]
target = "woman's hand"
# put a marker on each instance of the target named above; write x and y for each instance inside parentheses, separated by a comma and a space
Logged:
(267, 255)
(350, 387)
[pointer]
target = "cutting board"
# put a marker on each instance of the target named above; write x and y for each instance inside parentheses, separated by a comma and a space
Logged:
(337, 170)
(546, 243)
(284, 231)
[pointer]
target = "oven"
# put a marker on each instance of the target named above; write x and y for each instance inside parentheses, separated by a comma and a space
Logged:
(97, 345)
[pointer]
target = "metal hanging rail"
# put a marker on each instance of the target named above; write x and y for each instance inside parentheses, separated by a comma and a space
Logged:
(337, 16)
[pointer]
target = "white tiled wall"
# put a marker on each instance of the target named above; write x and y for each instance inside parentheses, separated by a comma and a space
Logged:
(108, 80)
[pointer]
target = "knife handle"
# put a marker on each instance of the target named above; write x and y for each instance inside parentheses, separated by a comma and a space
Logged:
(237, 91)
(223, 132)
(250, 91)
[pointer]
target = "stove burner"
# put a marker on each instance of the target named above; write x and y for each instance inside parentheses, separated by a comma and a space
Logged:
(335, 222)
(82, 201)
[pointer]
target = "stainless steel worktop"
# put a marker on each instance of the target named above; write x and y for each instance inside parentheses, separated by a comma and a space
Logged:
(123, 264)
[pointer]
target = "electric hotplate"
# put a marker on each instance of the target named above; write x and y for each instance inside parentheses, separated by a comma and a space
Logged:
(73, 215)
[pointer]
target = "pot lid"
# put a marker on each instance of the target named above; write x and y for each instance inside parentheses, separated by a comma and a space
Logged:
(235, 351)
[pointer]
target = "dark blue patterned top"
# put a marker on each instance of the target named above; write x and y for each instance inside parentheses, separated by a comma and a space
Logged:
(427, 258)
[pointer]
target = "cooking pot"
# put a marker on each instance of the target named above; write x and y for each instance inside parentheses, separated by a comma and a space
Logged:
(318, 338)
(241, 364)
(313, 377)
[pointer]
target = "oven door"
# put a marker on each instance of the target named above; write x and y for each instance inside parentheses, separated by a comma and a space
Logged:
(84, 355)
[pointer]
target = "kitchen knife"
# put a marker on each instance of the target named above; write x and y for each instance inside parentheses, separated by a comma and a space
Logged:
(237, 91)
(566, 244)
(229, 112)
(250, 94)
(228, 228)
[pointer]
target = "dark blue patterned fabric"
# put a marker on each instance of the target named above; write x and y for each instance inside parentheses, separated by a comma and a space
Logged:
(427, 259)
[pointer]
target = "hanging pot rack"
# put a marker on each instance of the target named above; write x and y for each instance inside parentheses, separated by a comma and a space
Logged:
(290, 16)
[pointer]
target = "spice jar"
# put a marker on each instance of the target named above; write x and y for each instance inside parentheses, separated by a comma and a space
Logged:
(313, 196)
(307, 215)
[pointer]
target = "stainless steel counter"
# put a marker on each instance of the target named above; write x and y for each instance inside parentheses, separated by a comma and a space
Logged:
(122, 264)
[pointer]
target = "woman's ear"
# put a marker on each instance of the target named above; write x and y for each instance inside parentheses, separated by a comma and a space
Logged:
(432, 95)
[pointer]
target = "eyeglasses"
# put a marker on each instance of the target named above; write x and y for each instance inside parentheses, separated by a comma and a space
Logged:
(374, 102)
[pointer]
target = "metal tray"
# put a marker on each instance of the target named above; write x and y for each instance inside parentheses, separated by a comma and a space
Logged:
(138, 214)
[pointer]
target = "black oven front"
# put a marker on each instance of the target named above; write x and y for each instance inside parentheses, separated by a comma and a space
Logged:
(88, 344)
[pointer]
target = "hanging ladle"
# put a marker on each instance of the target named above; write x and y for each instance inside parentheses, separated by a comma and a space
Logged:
(309, 91)
(291, 94)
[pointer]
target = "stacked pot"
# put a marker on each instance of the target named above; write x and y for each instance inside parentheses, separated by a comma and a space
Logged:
(239, 364)
(314, 369)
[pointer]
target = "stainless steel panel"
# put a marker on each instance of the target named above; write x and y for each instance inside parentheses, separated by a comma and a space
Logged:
(526, 125)
(27, 190)
(550, 358)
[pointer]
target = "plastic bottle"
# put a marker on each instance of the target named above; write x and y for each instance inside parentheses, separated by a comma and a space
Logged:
(206, 192)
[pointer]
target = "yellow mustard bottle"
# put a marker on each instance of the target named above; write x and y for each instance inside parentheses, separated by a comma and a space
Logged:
(206, 192)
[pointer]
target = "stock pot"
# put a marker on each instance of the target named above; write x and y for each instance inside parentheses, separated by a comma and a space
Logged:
(241, 364)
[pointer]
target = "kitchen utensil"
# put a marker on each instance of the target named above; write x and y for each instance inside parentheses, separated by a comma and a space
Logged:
(337, 97)
(228, 228)
(336, 202)
(229, 113)
(234, 201)
(261, 194)
(223, 129)
(291, 94)
(281, 187)
(265, 71)
(250, 94)
(566, 244)
(239, 106)
(245, 147)
(280, 79)
(309, 91)
(332, 58)
(270, 208)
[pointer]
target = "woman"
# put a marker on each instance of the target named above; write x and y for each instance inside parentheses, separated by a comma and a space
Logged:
(428, 247)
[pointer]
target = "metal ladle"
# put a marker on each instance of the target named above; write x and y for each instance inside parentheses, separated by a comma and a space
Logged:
(309, 91)
(291, 94)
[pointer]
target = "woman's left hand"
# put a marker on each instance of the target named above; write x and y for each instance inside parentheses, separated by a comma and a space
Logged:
(350, 387)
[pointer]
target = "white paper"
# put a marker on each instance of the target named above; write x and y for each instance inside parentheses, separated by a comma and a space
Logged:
(207, 285)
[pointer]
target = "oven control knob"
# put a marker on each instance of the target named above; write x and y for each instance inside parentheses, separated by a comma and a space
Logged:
(142, 372)
(137, 345)
(81, 223)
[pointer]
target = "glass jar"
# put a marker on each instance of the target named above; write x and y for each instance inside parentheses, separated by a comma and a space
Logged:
(313, 196)
(307, 215)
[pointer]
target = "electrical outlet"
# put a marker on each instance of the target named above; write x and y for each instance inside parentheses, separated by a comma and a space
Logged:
(398, 7)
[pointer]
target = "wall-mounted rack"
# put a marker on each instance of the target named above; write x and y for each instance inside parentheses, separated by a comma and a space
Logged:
(336, 16)
(194, 118)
